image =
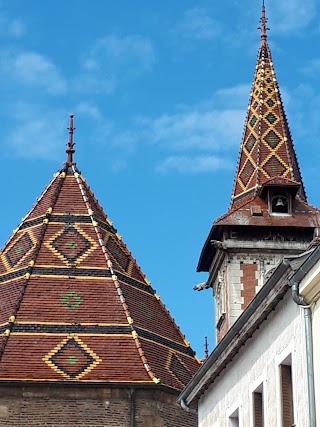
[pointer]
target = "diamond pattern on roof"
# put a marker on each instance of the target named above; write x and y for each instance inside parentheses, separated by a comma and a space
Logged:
(250, 143)
(246, 173)
(72, 358)
(71, 300)
(271, 118)
(83, 316)
(72, 244)
(270, 102)
(179, 370)
(253, 121)
(272, 139)
(274, 167)
(19, 250)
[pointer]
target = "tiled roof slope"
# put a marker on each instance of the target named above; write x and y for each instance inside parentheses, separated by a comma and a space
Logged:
(75, 306)
(267, 150)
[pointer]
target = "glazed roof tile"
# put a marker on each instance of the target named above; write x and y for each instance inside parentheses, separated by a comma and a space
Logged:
(74, 304)
(267, 149)
(266, 159)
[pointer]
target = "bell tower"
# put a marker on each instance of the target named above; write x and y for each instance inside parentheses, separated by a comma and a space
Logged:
(269, 216)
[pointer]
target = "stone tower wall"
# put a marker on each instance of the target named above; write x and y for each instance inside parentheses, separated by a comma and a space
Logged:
(57, 406)
(239, 279)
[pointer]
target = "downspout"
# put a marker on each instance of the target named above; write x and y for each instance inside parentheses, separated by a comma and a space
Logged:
(185, 407)
(298, 299)
(132, 407)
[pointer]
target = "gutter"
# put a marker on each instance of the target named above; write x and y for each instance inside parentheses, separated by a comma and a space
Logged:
(186, 408)
(294, 282)
(202, 378)
(132, 407)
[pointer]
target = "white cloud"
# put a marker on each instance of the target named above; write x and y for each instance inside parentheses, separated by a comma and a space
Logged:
(288, 16)
(37, 133)
(12, 27)
(235, 96)
(312, 68)
(196, 138)
(16, 28)
(33, 69)
(113, 59)
(197, 130)
(121, 51)
(193, 164)
(197, 24)
(89, 110)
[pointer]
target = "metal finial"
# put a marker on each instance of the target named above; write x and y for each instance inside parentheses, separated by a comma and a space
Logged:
(263, 21)
(206, 351)
(70, 144)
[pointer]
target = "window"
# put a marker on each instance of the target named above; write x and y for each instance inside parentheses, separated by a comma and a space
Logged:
(257, 407)
(286, 394)
(234, 419)
(220, 298)
(279, 202)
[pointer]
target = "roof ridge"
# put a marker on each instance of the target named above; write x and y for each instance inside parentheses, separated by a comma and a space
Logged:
(116, 283)
(105, 216)
(231, 209)
(7, 243)
(135, 261)
(35, 253)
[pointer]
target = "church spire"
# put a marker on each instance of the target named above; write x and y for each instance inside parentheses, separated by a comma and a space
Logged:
(267, 150)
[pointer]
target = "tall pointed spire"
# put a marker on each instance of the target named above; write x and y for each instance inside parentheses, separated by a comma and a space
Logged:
(267, 150)
(70, 150)
(268, 193)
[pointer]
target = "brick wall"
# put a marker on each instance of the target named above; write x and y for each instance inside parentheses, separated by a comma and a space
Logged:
(249, 281)
(55, 406)
(223, 330)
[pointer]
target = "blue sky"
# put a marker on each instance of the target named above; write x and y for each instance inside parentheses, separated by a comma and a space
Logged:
(159, 91)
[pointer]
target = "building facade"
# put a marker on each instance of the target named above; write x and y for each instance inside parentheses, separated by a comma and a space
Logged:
(269, 216)
(262, 371)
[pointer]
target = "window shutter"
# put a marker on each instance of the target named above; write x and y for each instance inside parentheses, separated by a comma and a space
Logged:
(258, 409)
(287, 397)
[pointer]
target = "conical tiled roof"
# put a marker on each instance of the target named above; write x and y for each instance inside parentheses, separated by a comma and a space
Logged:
(267, 150)
(74, 304)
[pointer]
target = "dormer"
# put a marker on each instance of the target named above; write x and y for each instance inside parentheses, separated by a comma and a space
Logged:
(279, 194)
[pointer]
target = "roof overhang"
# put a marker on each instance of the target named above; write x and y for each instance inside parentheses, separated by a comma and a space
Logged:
(250, 320)
(279, 183)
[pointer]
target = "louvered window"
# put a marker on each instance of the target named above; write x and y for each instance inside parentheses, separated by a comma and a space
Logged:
(257, 400)
(286, 396)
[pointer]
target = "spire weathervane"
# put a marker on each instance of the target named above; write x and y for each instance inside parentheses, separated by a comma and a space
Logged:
(263, 21)
(70, 150)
